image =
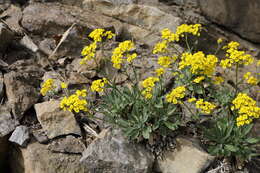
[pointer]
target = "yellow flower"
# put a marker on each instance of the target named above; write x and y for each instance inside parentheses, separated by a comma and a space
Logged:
(88, 52)
(118, 53)
(98, 85)
(204, 106)
(47, 86)
(75, 102)
(160, 71)
(218, 80)
(192, 100)
(199, 63)
(250, 79)
(219, 40)
(258, 63)
(63, 85)
(160, 47)
(199, 79)
(192, 29)
(235, 56)
(165, 61)
(148, 85)
(176, 94)
(246, 108)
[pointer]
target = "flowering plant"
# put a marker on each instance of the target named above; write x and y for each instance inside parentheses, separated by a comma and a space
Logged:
(147, 109)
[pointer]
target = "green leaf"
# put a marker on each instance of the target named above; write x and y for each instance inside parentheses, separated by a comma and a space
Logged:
(231, 148)
(252, 140)
(172, 126)
(146, 132)
(247, 129)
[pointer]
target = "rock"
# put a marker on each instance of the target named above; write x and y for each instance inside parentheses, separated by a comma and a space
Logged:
(148, 17)
(69, 144)
(27, 42)
(47, 46)
(21, 91)
(55, 121)
(7, 123)
(36, 158)
(20, 136)
(6, 36)
(12, 17)
(187, 158)
(238, 15)
(111, 152)
(40, 136)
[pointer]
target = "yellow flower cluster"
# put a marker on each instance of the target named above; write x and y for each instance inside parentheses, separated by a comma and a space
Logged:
(160, 47)
(199, 79)
(204, 106)
(218, 80)
(176, 94)
(199, 63)
(235, 56)
(64, 85)
(148, 85)
(98, 85)
(75, 102)
(169, 36)
(47, 86)
(250, 79)
(165, 61)
(89, 51)
(220, 40)
(160, 71)
(121, 51)
(247, 109)
(192, 29)
(98, 34)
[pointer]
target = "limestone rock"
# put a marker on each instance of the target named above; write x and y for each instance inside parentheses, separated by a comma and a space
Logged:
(12, 17)
(20, 136)
(187, 158)
(55, 121)
(28, 43)
(69, 144)
(145, 16)
(7, 123)
(240, 16)
(111, 152)
(21, 91)
(36, 158)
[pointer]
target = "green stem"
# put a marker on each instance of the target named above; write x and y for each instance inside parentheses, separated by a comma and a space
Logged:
(236, 82)
(187, 43)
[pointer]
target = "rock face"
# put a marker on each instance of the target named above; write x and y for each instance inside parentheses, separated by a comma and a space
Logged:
(21, 91)
(36, 158)
(187, 158)
(55, 121)
(20, 136)
(238, 15)
(113, 153)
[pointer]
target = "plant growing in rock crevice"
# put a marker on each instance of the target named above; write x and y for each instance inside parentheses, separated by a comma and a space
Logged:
(146, 111)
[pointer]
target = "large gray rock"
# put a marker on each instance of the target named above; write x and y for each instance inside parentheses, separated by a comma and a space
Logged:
(55, 121)
(7, 123)
(20, 136)
(111, 152)
(36, 158)
(240, 16)
(21, 91)
(187, 158)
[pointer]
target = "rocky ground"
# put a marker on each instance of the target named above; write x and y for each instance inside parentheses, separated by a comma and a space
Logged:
(40, 38)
